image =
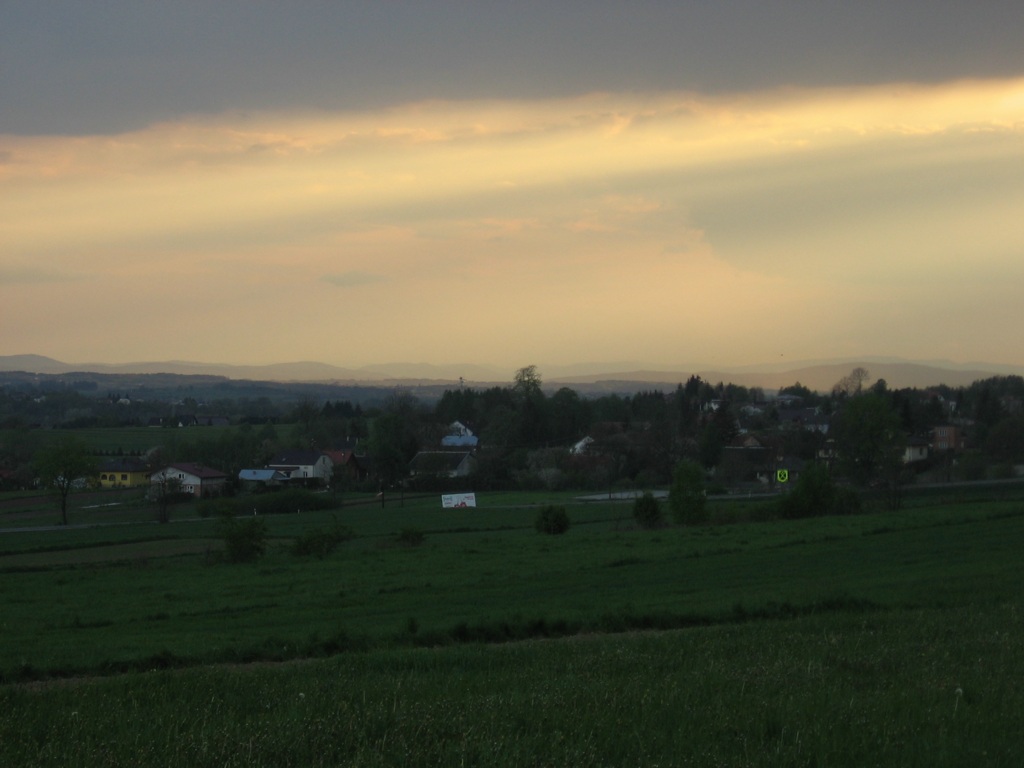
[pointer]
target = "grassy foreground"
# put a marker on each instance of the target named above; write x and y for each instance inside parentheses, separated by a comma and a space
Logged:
(916, 688)
(889, 639)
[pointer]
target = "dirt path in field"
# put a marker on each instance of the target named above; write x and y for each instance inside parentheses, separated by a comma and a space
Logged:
(110, 553)
(83, 500)
(43, 511)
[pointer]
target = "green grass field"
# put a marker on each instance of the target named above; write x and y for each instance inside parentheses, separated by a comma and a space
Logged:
(882, 638)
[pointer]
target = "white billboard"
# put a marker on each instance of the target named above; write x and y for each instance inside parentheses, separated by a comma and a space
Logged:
(453, 500)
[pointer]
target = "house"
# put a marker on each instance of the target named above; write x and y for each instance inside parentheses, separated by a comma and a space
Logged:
(345, 462)
(789, 401)
(9, 480)
(261, 479)
(810, 419)
(459, 436)
(304, 467)
(582, 446)
(442, 463)
(195, 479)
(747, 459)
(123, 472)
(915, 450)
(947, 437)
(211, 421)
(460, 441)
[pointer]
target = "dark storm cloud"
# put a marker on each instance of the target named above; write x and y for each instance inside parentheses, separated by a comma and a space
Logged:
(73, 67)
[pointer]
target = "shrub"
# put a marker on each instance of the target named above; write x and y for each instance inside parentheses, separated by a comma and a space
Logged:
(687, 497)
(245, 540)
(553, 519)
(647, 511)
(816, 494)
(218, 506)
(290, 502)
(810, 496)
(320, 542)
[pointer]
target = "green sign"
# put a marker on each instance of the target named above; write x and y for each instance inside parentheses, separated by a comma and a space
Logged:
(782, 475)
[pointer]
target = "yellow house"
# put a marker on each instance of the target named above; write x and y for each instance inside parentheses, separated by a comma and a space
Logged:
(123, 472)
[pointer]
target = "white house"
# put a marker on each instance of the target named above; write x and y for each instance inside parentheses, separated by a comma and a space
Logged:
(915, 450)
(261, 478)
(459, 436)
(306, 467)
(191, 478)
(581, 446)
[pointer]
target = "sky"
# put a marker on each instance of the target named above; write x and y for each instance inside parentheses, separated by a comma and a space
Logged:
(658, 184)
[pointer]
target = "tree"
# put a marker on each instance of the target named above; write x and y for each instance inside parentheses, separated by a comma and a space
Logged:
(815, 494)
(852, 384)
(168, 490)
(1005, 439)
(552, 519)
(869, 442)
(244, 540)
(531, 406)
(394, 437)
(811, 496)
(457, 405)
(569, 416)
(988, 408)
(647, 511)
(308, 423)
(63, 467)
(527, 382)
(686, 497)
(718, 433)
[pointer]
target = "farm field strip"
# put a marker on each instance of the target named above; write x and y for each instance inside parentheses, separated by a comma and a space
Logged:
(136, 599)
(882, 638)
(911, 688)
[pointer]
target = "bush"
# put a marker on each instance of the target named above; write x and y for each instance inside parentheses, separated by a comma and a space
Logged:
(553, 519)
(647, 511)
(320, 542)
(816, 494)
(219, 506)
(290, 502)
(244, 540)
(810, 496)
(687, 496)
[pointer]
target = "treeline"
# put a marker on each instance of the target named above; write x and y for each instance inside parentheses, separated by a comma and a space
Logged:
(529, 436)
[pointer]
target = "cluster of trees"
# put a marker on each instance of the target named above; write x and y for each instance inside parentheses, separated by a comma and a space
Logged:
(525, 433)
(638, 440)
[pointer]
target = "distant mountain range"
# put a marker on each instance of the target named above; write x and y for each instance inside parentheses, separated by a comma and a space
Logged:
(593, 377)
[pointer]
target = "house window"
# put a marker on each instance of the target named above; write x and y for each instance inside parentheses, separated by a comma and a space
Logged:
(124, 476)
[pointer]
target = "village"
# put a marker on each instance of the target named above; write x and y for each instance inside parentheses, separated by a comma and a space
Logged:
(524, 436)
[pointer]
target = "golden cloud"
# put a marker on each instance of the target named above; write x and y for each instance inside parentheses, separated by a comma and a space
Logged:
(749, 198)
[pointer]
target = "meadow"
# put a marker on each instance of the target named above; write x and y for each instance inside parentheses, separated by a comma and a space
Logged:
(886, 638)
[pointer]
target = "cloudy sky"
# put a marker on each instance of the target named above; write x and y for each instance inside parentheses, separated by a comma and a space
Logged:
(672, 184)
